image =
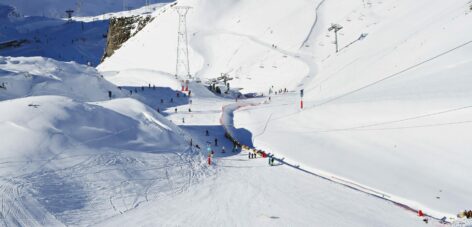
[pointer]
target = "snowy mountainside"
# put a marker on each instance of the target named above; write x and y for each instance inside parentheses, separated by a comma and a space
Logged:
(231, 37)
(391, 110)
(57, 8)
(401, 65)
(82, 42)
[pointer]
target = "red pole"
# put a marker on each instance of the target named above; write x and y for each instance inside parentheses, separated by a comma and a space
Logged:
(301, 104)
(209, 160)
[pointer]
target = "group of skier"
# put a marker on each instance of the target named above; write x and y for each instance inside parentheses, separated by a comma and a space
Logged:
(280, 91)
(465, 214)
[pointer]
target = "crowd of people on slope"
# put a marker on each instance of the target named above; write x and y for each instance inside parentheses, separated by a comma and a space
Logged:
(465, 214)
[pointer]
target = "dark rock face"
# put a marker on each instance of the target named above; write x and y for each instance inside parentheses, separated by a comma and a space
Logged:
(121, 29)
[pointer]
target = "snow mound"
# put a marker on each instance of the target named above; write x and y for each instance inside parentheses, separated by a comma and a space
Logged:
(34, 76)
(79, 156)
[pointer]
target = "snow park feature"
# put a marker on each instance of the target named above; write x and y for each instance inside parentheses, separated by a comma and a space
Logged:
(235, 113)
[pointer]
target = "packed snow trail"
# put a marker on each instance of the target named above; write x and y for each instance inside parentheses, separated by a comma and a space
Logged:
(228, 123)
(248, 192)
(206, 115)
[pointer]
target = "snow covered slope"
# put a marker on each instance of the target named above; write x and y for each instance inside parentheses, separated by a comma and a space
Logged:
(57, 8)
(23, 77)
(376, 112)
(234, 37)
(390, 111)
(67, 153)
(82, 42)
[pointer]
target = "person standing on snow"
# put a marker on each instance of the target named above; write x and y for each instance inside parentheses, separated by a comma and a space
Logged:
(216, 142)
(223, 150)
(207, 133)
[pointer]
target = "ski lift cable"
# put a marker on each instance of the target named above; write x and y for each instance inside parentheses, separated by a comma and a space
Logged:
(378, 81)
(392, 75)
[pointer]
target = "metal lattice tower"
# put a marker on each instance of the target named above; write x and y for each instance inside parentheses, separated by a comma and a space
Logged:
(182, 69)
(335, 28)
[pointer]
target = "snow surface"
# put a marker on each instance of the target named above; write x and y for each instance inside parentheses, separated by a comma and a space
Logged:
(376, 113)
(68, 161)
(391, 111)
(57, 8)
(82, 42)
(384, 130)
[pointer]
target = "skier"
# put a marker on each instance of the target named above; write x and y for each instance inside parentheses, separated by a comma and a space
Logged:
(235, 148)
(130, 92)
(171, 100)
(183, 120)
(109, 94)
(177, 94)
(207, 133)
(158, 110)
(191, 142)
(216, 142)
(175, 110)
(162, 100)
(209, 159)
(149, 85)
(189, 110)
(223, 150)
(189, 93)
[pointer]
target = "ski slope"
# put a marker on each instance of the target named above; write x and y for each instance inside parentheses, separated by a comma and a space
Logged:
(391, 111)
(376, 113)
(387, 114)
(71, 156)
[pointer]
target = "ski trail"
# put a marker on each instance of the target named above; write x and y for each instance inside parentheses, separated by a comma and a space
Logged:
(228, 112)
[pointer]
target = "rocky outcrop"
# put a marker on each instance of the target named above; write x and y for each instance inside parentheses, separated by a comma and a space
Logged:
(13, 43)
(121, 29)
